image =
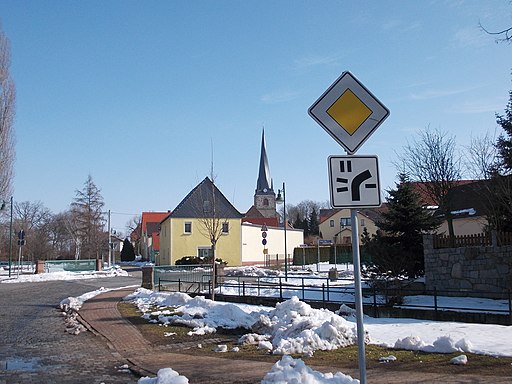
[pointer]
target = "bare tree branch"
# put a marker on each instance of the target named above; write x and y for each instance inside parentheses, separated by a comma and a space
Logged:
(505, 35)
(433, 162)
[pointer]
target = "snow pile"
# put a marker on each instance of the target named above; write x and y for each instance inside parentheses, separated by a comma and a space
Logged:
(71, 305)
(201, 314)
(164, 376)
(286, 371)
(459, 360)
(249, 271)
(295, 327)
(112, 271)
(293, 371)
(443, 344)
(387, 359)
(292, 327)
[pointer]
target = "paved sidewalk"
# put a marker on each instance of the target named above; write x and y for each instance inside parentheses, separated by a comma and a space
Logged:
(102, 317)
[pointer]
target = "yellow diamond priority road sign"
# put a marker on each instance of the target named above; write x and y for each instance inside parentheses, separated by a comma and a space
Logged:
(348, 112)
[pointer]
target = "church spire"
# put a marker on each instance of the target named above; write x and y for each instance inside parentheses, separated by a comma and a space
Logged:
(264, 183)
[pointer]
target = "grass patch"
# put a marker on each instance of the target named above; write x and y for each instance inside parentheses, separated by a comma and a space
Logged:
(343, 358)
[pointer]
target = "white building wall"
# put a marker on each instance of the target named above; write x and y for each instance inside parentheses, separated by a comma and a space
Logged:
(252, 247)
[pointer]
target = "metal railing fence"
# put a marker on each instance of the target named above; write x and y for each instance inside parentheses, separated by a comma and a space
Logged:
(88, 265)
(183, 278)
(341, 291)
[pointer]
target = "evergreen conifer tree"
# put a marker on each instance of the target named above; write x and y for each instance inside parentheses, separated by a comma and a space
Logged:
(500, 186)
(314, 225)
(127, 253)
(398, 248)
(504, 144)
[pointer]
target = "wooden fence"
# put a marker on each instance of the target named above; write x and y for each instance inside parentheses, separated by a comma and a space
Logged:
(475, 240)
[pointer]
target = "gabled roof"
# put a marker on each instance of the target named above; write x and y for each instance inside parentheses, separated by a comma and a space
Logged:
(254, 212)
(151, 217)
(199, 203)
(470, 199)
(421, 189)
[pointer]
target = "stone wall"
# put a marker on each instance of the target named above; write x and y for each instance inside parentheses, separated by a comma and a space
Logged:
(481, 269)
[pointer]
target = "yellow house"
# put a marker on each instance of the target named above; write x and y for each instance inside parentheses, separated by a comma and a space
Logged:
(187, 230)
(336, 224)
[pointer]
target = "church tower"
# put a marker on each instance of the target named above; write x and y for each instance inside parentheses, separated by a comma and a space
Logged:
(264, 196)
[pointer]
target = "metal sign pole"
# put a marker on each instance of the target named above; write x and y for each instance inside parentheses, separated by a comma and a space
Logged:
(359, 296)
(350, 113)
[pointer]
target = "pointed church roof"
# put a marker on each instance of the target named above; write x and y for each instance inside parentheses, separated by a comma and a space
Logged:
(264, 183)
(198, 203)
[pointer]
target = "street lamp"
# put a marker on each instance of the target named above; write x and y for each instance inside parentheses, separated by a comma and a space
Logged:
(10, 233)
(281, 198)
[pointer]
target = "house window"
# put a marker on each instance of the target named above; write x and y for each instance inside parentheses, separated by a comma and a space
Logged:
(362, 222)
(331, 223)
(345, 221)
(188, 227)
(346, 240)
(225, 228)
(204, 252)
(265, 202)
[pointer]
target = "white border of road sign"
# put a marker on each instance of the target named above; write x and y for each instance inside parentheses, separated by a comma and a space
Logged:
(318, 111)
(345, 172)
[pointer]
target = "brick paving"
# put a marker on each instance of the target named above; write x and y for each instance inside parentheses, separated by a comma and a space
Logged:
(102, 316)
(34, 347)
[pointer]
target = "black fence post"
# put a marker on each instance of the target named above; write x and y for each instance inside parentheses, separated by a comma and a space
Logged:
(179, 285)
(435, 303)
(510, 307)
(243, 288)
(159, 289)
(280, 288)
(375, 311)
(328, 295)
(303, 292)
(323, 292)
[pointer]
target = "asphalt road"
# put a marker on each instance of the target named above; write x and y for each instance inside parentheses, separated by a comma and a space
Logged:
(34, 347)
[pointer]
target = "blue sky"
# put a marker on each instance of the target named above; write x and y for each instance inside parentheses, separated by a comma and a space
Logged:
(136, 93)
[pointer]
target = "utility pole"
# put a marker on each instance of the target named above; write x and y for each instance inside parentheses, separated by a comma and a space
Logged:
(109, 242)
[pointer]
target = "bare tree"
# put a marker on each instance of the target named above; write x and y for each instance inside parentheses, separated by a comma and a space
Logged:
(134, 230)
(71, 224)
(481, 156)
(88, 220)
(212, 216)
(432, 161)
(7, 112)
(62, 242)
(304, 208)
(33, 219)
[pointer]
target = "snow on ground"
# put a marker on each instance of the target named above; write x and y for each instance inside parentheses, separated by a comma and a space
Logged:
(294, 327)
(62, 275)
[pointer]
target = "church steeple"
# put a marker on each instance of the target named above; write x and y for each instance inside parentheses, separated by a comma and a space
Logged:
(264, 197)
(264, 183)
